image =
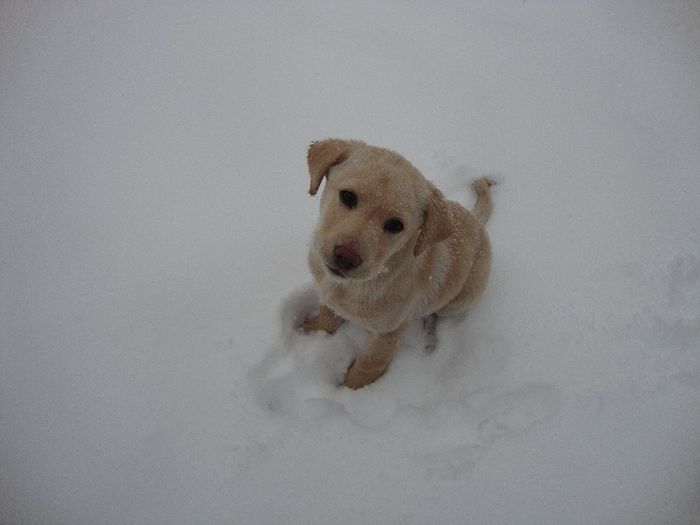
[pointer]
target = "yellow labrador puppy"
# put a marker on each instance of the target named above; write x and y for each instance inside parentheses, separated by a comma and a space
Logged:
(389, 248)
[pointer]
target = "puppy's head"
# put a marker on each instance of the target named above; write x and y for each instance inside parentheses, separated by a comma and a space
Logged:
(377, 210)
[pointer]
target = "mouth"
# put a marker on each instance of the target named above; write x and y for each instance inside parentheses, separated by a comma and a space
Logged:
(335, 271)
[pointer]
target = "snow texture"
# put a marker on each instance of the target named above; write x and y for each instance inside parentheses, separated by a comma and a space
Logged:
(154, 224)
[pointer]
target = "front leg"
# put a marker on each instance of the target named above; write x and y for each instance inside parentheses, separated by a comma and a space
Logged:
(326, 320)
(371, 364)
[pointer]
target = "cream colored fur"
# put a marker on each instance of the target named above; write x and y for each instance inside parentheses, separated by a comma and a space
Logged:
(438, 264)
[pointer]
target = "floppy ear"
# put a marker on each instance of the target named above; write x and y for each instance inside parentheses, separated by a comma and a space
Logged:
(322, 156)
(437, 222)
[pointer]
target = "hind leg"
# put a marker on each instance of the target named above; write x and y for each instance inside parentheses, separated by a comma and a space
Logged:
(430, 331)
(474, 285)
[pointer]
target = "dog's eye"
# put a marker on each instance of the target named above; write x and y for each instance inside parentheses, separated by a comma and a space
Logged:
(349, 198)
(393, 225)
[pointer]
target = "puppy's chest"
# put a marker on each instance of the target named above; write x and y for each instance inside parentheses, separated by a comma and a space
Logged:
(371, 309)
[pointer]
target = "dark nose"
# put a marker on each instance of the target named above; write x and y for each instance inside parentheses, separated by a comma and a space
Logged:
(346, 258)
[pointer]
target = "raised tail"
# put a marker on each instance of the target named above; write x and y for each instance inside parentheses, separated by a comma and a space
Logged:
(484, 204)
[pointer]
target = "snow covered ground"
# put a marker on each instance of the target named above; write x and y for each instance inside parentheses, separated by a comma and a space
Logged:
(154, 224)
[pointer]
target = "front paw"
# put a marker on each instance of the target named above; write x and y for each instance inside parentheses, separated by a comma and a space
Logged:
(325, 320)
(357, 377)
(311, 324)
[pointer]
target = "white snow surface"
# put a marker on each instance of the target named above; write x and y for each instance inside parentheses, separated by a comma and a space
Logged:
(154, 223)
